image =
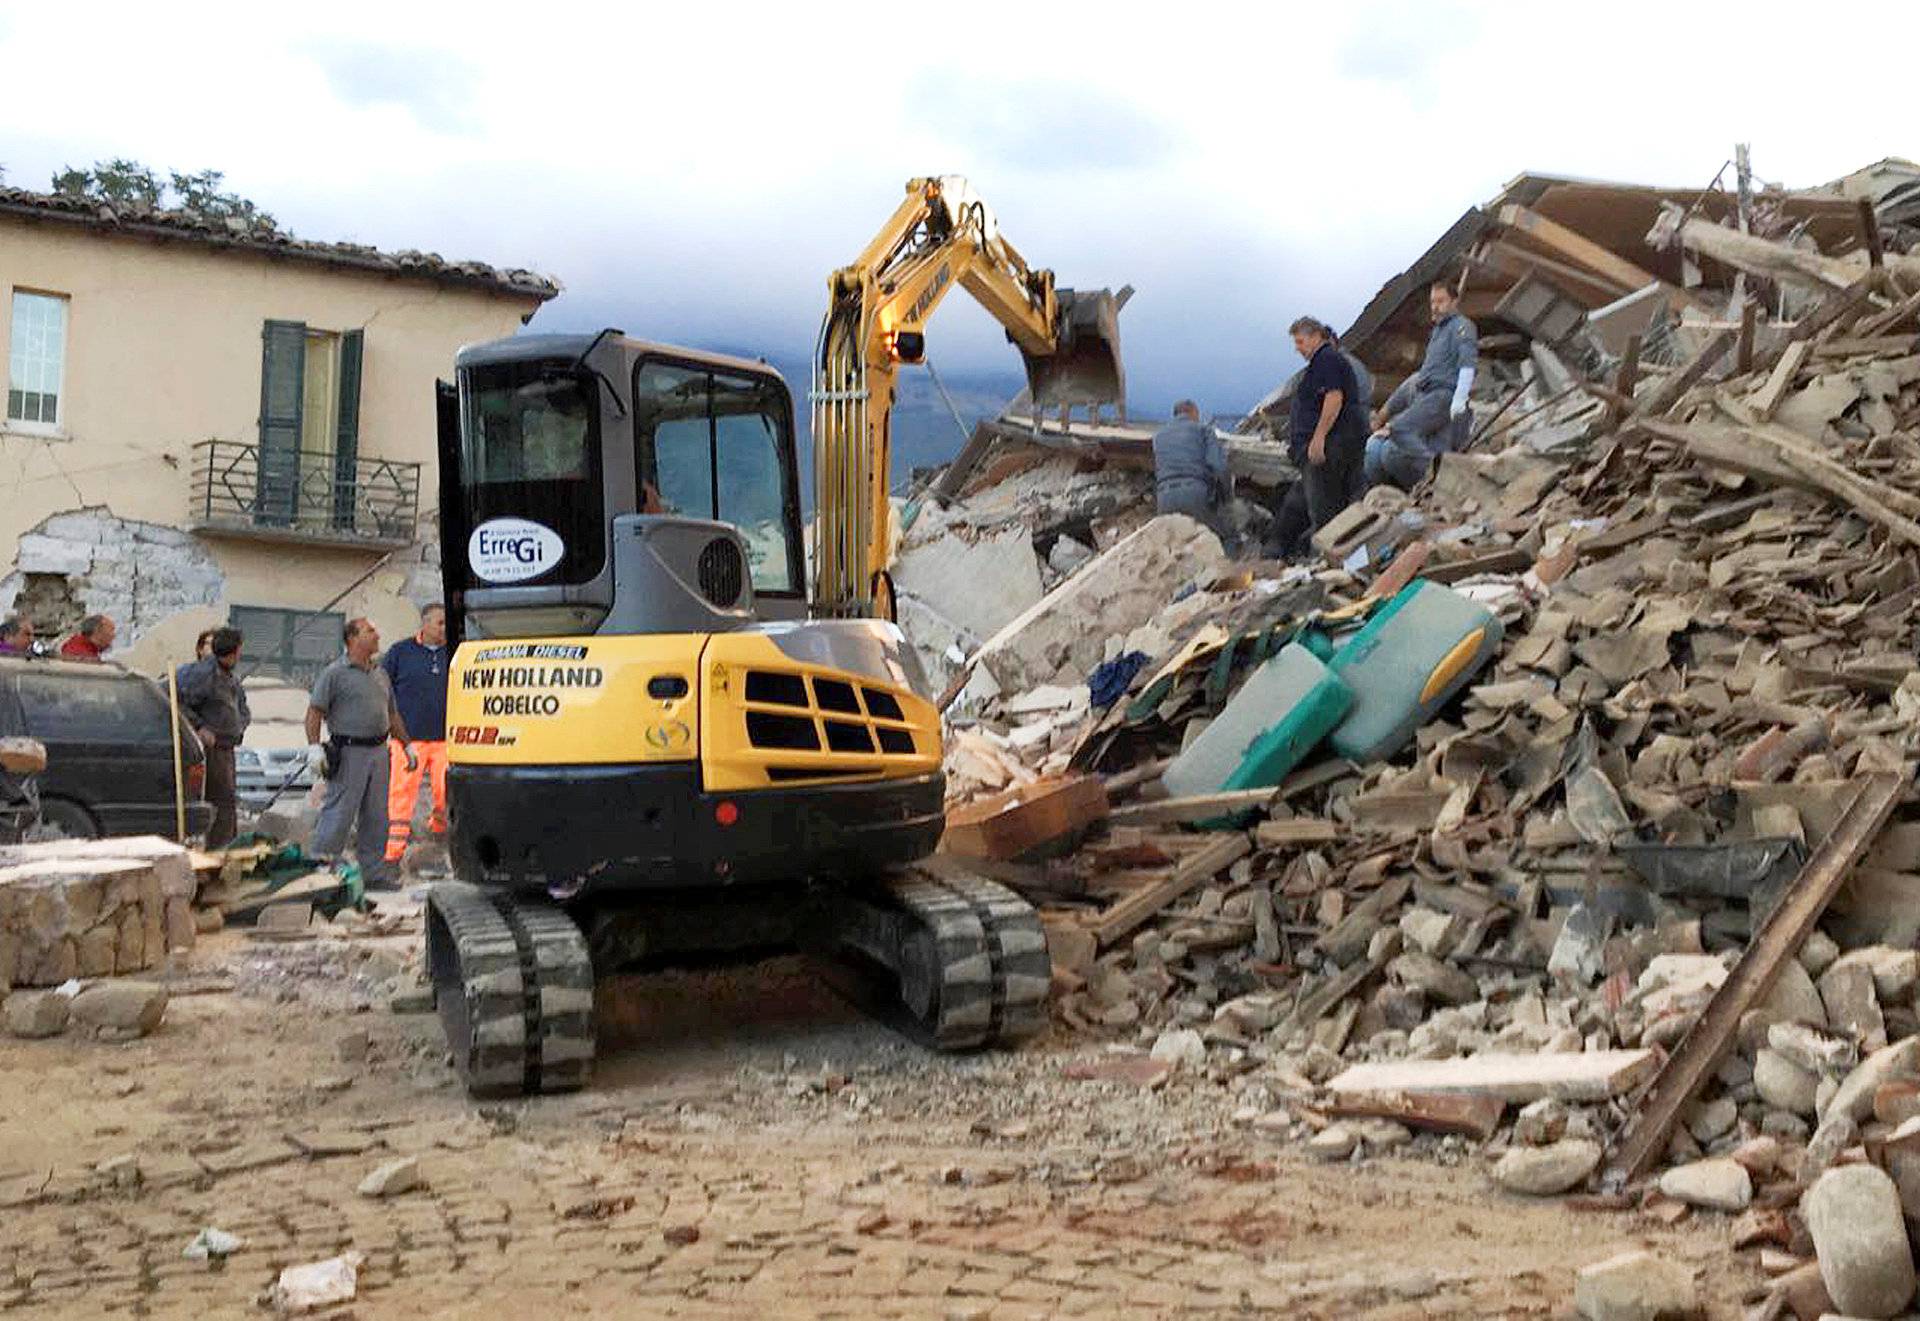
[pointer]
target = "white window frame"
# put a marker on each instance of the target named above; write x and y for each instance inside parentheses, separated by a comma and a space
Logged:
(56, 429)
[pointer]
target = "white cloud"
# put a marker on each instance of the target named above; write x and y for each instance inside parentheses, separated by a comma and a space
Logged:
(694, 171)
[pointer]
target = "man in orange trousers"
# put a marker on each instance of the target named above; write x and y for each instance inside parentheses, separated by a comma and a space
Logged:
(417, 669)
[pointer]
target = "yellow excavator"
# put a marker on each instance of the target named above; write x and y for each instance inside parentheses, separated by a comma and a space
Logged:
(662, 747)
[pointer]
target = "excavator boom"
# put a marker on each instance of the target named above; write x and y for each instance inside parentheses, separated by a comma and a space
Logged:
(941, 235)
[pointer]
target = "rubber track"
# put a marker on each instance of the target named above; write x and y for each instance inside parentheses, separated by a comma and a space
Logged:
(514, 986)
(994, 968)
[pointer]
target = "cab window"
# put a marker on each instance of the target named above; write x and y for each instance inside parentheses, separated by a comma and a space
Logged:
(716, 445)
(530, 441)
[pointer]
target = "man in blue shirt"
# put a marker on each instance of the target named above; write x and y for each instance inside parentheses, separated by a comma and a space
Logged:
(1420, 417)
(417, 670)
(1190, 471)
(1327, 427)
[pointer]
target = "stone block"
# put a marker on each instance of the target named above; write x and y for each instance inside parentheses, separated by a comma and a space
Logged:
(120, 1009)
(1064, 635)
(181, 930)
(36, 1013)
(63, 917)
(98, 949)
(43, 554)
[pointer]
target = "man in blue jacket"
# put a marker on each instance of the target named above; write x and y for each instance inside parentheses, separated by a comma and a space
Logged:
(417, 670)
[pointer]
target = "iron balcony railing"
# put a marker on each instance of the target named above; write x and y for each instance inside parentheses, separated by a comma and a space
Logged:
(303, 495)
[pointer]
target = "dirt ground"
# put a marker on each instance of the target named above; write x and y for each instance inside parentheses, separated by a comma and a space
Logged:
(753, 1145)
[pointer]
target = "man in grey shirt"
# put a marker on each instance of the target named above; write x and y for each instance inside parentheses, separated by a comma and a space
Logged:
(355, 700)
(1418, 422)
(1190, 470)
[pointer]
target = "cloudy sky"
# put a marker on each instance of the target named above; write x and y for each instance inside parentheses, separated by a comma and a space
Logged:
(692, 171)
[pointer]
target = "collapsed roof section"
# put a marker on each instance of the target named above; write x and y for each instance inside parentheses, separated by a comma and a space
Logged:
(1549, 251)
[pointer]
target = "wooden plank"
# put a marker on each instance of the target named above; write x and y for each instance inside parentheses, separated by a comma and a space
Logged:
(1765, 402)
(1835, 309)
(1439, 1112)
(1049, 814)
(1512, 560)
(1124, 782)
(1198, 807)
(1314, 1005)
(1350, 937)
(955, 475)
(1779, 938)
(1122, 919)
(1299, 830)
(1595, 1075)
(1583, 251)
(1718, 518)
(1743, 350)
(1665, 395)
(1881, 322)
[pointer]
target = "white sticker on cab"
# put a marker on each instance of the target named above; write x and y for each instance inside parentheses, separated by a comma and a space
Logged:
(512, 550)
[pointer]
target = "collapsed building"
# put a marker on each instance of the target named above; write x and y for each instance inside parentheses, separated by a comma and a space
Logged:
(1632, 915)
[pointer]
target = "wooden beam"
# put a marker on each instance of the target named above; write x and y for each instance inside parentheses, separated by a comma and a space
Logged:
(1749, 450)
(1870, 234)
(1510, 259)
(1743, 348)
(1805, 267)
(1778, 939)
(1297, 830)
(1629, 376)
(1665, 395)
(1199, 807)
(1441, 1112)
(1766, 401)
(1594, 1075)
(1583, 251)
(961, 466)
(1316, 1003)
(1127, 915)
(1881, 322)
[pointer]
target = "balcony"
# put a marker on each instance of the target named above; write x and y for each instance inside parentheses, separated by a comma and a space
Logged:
(303, 497)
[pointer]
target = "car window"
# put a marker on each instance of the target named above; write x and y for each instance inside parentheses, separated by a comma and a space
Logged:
(72, 708)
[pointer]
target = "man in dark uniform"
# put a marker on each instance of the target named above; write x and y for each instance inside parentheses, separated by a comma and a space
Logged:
(1327, 425)
(1420, 416)
(1190, 471)
(215, 704)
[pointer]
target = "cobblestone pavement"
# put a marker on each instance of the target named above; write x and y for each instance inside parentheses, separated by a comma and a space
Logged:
(752, 1148)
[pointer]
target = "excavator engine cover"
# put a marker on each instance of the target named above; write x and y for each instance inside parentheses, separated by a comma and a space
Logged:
(1085, 369)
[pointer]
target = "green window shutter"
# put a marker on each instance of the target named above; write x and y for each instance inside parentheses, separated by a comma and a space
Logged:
(283, 371)
(346, 438)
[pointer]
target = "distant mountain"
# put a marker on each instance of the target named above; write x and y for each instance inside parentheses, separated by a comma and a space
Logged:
(924, 432)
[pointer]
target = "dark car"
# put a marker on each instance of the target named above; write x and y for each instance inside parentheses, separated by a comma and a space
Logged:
(108, 734)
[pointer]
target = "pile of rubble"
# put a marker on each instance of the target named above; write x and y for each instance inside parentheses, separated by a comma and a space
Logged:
(1646, 896)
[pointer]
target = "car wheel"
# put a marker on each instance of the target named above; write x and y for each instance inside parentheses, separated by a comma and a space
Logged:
(61, 819)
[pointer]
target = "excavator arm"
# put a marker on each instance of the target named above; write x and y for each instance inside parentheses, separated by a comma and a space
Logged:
(941, 235)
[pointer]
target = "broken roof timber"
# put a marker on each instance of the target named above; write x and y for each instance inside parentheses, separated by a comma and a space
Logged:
(1610, 221)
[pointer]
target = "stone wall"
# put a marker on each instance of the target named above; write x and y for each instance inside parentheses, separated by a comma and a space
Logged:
(92, 908)
(90, 562)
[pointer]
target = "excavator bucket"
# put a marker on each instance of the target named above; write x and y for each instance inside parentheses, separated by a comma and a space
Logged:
(1085, 369)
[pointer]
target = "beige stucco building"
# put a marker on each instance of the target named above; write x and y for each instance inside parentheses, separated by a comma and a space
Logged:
(204, 423)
